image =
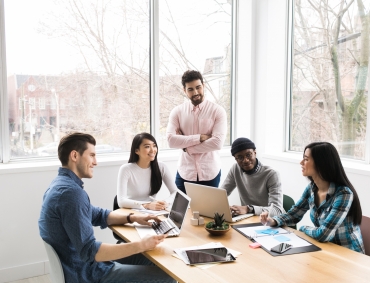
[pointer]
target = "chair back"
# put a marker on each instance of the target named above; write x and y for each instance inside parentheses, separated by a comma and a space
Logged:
(115, 206)
(365, 231)
(288, 202)
(56, 269)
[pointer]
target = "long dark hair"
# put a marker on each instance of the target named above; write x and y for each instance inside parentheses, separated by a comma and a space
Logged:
(329, 167)
(156, 177)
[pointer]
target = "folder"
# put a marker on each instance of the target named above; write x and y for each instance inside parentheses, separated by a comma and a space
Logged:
(267, 237)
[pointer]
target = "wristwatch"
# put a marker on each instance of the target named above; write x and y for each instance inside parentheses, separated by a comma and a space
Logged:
(250, 209)
(128, 218)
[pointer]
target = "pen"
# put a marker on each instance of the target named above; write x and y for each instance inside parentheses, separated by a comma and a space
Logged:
(152, 198)
(168, 230)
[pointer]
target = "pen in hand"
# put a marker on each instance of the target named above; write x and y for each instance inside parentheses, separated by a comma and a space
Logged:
(159, 202)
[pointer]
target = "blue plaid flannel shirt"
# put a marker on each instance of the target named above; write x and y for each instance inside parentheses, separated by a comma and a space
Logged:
(330, 218)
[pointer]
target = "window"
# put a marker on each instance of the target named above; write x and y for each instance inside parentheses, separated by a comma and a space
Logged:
(41, 102)
(194, 35)
(330, 82)
(32, 102)
(83, 65)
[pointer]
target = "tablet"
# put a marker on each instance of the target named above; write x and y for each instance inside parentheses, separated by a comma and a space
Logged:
(203, 256)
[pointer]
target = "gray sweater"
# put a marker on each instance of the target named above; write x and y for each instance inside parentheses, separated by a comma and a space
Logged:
(260, 189)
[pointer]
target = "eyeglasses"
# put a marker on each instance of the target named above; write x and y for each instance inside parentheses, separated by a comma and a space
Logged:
(242, 157)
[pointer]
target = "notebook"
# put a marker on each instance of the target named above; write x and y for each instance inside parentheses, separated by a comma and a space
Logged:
(269, 237)
(209, 200)
(175, 218)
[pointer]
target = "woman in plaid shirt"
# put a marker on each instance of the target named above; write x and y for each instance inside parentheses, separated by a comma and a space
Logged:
(334, 205)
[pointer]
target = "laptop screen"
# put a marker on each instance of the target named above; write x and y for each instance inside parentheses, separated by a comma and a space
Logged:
(178, 210)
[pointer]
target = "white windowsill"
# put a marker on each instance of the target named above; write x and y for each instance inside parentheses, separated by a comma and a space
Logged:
(51, 164)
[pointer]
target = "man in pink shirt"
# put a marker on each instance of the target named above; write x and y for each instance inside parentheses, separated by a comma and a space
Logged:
(198, 127)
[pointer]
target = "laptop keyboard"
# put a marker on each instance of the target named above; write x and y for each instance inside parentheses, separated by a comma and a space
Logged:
(161, 227)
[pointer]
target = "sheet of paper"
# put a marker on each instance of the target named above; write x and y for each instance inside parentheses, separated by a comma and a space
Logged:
(282, 238)
(270, 241)
(148, 211)
(262, 231)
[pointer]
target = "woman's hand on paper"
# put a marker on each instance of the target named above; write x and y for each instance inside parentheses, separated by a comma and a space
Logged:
(266, 220)
(156, 205)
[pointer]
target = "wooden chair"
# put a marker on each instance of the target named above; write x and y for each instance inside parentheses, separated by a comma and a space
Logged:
(365, 231)
(56, 269)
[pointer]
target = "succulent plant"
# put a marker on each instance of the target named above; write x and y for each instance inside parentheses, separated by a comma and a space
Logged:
(218, 223)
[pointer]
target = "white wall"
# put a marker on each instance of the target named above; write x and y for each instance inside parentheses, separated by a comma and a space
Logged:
(22, 254)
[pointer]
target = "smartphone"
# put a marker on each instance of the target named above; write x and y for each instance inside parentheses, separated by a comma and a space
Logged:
(283, 247)
(168, 230)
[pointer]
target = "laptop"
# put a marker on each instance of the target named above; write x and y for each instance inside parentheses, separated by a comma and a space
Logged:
(209, 200)
(175, 219)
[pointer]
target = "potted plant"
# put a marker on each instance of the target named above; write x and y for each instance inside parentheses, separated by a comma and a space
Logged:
(218, 226)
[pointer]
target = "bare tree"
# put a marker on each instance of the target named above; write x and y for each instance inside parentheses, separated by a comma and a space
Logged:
(331, 60)
(111, 38)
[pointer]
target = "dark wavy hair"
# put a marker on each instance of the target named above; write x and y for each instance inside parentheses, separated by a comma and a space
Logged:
(74, 141)
(190, 76)
(156, 177)
(329, 167)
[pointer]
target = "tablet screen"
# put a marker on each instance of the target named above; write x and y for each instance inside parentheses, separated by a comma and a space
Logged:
(209, 255)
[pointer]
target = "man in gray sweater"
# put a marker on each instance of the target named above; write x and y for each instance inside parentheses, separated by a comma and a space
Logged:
(258, 185)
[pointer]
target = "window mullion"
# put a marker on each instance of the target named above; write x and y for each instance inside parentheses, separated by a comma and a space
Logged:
(154, 67)
(4, 109)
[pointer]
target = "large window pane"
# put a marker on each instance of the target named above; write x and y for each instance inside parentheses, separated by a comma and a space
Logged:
(194, 35)
(76, 65)
(330, 75)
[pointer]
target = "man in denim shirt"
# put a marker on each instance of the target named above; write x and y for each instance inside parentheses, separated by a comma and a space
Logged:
(67, 217)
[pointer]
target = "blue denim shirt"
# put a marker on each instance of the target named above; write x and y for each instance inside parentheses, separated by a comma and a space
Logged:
(331, 220)
(66, 221)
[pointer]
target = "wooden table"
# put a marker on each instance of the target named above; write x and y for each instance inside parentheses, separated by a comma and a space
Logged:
(332, 264)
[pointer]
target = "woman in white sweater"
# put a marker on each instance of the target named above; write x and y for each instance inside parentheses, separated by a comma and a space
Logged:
(141, 178)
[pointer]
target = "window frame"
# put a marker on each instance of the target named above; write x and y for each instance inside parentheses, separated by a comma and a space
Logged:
(5, 156)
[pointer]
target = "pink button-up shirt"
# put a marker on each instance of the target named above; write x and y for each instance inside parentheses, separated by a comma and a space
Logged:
(200, 159)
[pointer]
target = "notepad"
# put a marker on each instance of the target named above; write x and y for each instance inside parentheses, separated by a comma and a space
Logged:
(261, 231)
(267, 231)
(282, 239)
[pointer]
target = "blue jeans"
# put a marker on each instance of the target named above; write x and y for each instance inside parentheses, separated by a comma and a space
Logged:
(212, 183)
(136, 268)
